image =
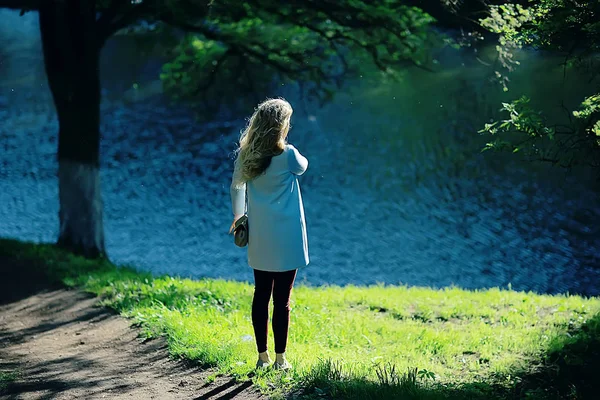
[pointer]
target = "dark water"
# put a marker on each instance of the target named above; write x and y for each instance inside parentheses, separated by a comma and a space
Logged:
(397, 190)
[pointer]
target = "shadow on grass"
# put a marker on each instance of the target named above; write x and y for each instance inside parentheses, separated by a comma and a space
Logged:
(569, 370)
(19, 281)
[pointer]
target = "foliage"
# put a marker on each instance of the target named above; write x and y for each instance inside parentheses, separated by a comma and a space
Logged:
(557, 25)
(305, 40)
(239, 50)
(506, 20)
(262, 44)
(526, 130)
(351, 342)
(563, 26)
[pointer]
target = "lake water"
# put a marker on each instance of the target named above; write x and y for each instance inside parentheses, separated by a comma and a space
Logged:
(397, 191)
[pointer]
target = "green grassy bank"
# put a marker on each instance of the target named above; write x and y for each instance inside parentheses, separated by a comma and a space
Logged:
(363, 343)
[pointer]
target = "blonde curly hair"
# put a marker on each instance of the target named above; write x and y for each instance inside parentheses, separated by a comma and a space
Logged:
(264, 137)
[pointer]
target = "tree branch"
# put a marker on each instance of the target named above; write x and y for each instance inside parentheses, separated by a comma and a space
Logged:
(232, 43)
(332, 39)
(112, 23)
(20, 4)
(352, 17)
(213, 74)
(109, 14)
(329, 10)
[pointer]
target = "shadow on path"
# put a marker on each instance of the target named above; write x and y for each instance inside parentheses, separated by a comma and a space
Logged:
(62, 345)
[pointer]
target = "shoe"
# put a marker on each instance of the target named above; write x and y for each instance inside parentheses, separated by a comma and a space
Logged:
(260, 364)
(285, 366)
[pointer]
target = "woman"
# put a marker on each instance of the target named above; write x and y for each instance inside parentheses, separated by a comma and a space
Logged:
(266, 170)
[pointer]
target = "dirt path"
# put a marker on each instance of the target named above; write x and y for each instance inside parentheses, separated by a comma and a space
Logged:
(65, 347)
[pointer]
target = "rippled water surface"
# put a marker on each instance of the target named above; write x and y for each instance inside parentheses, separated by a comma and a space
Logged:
(396, 192)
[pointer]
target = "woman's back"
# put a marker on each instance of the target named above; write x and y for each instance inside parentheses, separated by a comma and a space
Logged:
(278, 240)
(277, 190)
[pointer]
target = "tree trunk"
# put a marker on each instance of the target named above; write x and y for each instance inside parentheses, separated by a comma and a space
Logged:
(71, 57)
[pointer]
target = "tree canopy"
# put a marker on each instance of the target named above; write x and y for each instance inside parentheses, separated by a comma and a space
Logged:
(315, 43)
(318, 44)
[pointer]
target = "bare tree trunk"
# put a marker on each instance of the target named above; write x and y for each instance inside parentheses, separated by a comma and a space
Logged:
(71, 57)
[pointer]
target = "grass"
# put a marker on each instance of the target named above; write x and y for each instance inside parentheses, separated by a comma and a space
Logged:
(351, 342)
(6, 377)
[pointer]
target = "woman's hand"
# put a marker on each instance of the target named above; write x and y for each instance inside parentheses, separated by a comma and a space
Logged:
(235, 218)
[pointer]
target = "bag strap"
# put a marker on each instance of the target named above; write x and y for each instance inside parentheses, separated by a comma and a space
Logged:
(246, 200)
(243, 220)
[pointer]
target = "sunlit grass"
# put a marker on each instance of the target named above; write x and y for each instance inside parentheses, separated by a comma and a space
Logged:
(347, 342)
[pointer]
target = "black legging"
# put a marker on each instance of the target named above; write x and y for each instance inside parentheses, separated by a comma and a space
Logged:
(280, 285)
